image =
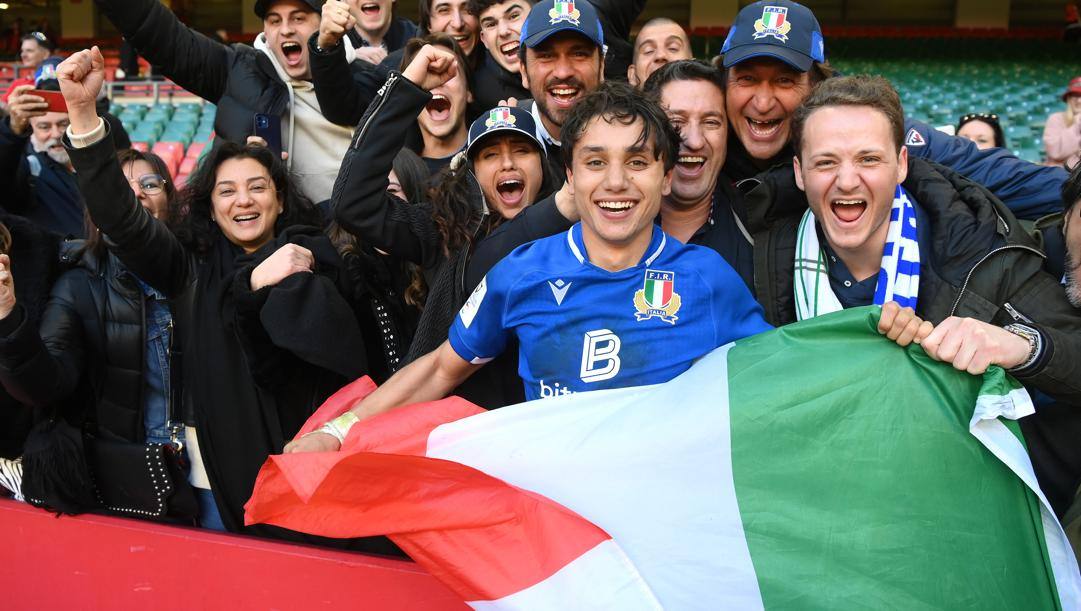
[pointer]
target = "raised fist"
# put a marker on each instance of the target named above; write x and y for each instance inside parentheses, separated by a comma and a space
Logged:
(81, 77)
(336, 21)
(432, 67)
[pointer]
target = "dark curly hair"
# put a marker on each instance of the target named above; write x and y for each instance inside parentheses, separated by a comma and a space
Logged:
(621, 103)
(192, 220)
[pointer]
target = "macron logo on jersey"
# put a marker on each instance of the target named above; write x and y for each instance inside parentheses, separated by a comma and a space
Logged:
(559, 290)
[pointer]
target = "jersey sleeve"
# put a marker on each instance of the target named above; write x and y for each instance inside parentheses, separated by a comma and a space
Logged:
(736, 314)
(480, 330)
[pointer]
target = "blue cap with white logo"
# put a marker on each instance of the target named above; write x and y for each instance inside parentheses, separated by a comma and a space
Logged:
(47, 70)
(784, 30)
(502, 120)
(551, 16)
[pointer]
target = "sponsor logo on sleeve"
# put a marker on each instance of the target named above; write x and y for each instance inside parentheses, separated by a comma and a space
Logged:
(914, 138)
(472, 305)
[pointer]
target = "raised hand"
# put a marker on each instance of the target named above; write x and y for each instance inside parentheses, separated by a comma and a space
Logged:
(432, 67)
(286, 261)
(7, 287)
(335, 22)
(23, 107)
(81, 77)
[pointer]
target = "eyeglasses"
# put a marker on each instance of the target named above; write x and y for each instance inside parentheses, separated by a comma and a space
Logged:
(982, 116)
(150, 184)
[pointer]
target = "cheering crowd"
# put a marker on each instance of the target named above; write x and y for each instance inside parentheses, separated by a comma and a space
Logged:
(507, 201)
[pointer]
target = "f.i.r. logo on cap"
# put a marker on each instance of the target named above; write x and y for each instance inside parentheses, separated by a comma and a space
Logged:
(500, 117)
(773, 22)
(564, 11)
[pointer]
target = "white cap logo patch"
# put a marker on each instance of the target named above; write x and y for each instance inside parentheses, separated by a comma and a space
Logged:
(564, 11)
(914, 138)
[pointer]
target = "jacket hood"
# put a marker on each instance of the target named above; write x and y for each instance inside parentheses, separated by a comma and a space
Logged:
(261, 45)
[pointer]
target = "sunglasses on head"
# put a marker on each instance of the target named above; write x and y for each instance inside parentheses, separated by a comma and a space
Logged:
(40, 37)
(982, 116)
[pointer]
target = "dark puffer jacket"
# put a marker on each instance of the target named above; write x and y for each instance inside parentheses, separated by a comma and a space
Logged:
(984, 265)
(89, 356)
(238, 78)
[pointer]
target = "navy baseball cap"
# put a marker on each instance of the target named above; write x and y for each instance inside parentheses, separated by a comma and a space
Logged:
(47, 70)
(502, 120)
(780, 29)
(551, 16)
(262, 6)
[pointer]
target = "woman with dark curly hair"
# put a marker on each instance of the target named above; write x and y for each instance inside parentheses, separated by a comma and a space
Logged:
(263, 329)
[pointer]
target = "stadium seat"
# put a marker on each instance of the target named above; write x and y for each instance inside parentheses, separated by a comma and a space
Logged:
(171, 153)
(187, 166)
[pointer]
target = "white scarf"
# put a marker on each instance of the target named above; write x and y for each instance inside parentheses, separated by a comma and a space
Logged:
(898, 280)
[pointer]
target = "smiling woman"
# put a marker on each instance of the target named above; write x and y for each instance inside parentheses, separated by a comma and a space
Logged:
(247, 257)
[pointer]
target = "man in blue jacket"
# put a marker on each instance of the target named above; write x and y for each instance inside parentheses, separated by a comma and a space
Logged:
(775, 54)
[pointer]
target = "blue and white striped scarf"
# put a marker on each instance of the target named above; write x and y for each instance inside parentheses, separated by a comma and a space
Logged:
(898, 279)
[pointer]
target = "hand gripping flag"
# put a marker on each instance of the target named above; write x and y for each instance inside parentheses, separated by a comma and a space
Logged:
(815, 466)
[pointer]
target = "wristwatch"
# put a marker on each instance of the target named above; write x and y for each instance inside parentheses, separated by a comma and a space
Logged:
(1035, 343)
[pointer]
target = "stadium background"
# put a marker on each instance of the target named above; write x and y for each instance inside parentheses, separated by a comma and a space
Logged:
(946, 57)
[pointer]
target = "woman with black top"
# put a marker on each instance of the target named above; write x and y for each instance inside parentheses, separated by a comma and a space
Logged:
(264, 331)
(501, 171)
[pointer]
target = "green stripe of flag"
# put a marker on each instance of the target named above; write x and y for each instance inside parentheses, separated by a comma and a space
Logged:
(873, 493)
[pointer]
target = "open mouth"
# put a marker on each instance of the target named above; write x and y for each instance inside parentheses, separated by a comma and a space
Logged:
(691, 164)
(511, 191)
(438, 108)
(510, 50)
(246, 219)
(616, 208)
(848, 210)
(563, 95)
(370, 9)
(462, 39)
(292, 51)
(764, 129)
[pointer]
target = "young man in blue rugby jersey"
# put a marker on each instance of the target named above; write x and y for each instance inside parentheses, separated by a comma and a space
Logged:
(613, 302)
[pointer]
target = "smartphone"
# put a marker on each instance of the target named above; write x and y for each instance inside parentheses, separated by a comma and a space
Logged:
(269, 128)
(54, 98)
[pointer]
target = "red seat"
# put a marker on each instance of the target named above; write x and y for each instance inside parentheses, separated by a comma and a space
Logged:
(180, 181)
(195, 150)
(170, 153)
(188, 165)
(140, 146)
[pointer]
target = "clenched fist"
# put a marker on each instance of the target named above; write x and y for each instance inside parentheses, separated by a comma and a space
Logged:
(335, 22)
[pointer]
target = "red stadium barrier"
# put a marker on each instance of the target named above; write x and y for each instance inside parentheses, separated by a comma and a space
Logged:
(97, 562)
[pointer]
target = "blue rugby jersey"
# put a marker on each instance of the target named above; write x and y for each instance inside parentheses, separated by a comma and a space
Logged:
(583, 328)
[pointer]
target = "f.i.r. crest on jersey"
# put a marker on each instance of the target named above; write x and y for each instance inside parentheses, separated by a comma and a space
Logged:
(657, 298)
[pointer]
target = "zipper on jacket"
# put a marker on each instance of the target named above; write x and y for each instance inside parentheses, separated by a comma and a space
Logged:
(174, 426)
(383, 94)
(968, 278)
(1018, 316)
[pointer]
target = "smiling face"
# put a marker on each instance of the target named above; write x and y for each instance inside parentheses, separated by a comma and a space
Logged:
(617, 184)
(655, 46)
(245, 203)
(500, 27)
(696, 110)
(451, 17)
(31, 54)
(979, 132)
(508, 168)
(148, 187)
(373, 16)
(48, 129)
(762, 95)
(287, 26)
(850, 168)
(558, 72)
(444, 116)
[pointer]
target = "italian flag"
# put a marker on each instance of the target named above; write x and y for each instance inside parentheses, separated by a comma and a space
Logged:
(817, 466)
